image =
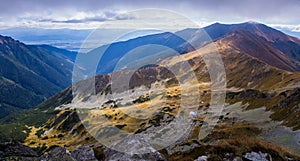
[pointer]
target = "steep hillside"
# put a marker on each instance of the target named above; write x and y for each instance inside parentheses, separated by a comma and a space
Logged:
(58, 52)
(260, 48)
(30, 74)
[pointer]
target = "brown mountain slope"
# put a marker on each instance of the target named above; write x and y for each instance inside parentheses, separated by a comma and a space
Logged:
(289, 46)
(250, 44)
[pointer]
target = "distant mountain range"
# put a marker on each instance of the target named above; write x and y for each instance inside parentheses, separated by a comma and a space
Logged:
(251, 53)
(62, 38)
(260, 41)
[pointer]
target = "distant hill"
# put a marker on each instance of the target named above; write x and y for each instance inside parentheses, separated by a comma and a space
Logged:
(68, 39)
(112, 53)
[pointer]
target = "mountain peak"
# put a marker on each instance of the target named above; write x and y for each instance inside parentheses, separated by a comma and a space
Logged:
(233, 24)
(252, 22)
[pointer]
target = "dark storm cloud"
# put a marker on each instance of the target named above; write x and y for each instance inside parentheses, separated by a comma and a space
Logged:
(286, 11)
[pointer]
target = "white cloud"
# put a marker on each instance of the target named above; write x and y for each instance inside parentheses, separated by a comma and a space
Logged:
(69, 19)
(294, 28)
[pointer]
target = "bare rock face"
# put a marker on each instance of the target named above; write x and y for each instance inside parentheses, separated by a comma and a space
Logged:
(133, 149)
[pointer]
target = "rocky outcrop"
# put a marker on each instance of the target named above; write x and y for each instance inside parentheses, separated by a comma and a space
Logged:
(201, 158)
(84, 153)
(258, 156)
(132, 148)
(58, 153)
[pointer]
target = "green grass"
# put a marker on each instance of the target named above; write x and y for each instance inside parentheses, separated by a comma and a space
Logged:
(12, 127)
(13, 132)
(31, 117)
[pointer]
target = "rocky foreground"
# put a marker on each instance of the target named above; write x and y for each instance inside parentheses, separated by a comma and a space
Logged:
(17, 151)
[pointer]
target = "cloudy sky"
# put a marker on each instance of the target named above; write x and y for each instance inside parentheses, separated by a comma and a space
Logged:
(91, 14)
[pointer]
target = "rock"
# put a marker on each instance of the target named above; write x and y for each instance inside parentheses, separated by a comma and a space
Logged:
(193, 114)
(290, 159)
(237, 159)
(17, 151)
(58, 153)
(84, 153)
(254, 156)
(201, 158)
(132, 148)
(231, 157)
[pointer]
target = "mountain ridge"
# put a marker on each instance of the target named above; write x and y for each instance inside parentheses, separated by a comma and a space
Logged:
(289, 45)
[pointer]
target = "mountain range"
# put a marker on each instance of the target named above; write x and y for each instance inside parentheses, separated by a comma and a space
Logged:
(261, 114)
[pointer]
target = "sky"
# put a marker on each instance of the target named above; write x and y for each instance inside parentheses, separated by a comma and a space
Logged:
(50, 21)
(92, 13)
